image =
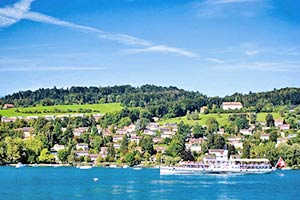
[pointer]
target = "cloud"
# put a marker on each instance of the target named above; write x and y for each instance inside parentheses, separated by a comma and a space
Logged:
(215, 60)
(229, 1)
(231, 8)
(162, 49)
(49, 69)
(251, 52)
(260, 66)
(10, 15)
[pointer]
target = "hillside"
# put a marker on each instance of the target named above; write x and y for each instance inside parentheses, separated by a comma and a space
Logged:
(163, 102)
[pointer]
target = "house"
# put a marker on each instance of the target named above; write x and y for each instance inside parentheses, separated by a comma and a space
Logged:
(117, 138)
(195, 148)
(152, 126)
(155, 119)
(117, 146)
(79, 154)
(8, 119)
(290, 136)
(232, 105)
(167, 134)
(171, 126)
(160, 149)
(264, 136)
(281, 140)
(156, 140)
(246, 131)
(79, 131)
(221, 131)
(57, 147)
(8, 105)
(219, 153)
(202, 109)
(106, 132)
(82, 146)
(130, 128)
(237, 144)
(236, 138)
(94, 157)
(149, 132)
(103, 152)
(278, 122)
(49, 117)
(27, 131)
(97, 117)
(135, 139)
(284, 127)
(121, 131)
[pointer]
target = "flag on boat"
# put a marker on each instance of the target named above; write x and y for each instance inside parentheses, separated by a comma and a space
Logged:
(280, 163)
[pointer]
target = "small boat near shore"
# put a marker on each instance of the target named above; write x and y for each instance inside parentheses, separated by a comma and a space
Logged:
(20, 165)
(85, 167)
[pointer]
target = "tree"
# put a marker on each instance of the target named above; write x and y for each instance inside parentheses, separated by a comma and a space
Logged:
(63, 155)
(293, 155)
(46, 157)
(33, 148)
(65, 136)
(269, 120)
(14, 147)
(212, 125)
(111, 153)
(147, 145)
(177, 145)
(273, 136)
(246, 149)
(124, 144)
(198, 131)
(129, 158)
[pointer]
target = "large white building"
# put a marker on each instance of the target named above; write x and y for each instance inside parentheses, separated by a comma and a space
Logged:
(232, 105)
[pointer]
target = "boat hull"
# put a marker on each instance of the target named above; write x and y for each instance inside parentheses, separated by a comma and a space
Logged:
(199, 171)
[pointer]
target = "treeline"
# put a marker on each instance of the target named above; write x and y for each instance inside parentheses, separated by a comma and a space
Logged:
(159, 101)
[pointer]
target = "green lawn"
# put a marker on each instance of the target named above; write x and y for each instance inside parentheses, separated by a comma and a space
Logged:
(96, 108)
(221, 118)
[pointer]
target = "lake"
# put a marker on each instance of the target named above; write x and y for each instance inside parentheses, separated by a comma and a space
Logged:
(46, 183)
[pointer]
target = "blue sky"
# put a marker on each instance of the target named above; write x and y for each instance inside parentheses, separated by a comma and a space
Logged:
(217, 47)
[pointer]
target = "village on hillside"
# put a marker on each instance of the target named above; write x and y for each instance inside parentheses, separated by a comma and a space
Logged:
(152, 144)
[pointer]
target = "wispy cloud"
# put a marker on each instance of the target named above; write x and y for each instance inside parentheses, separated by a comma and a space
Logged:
(215, 60)
(162, 49)
(260, 66)
(229, 8)
(229, 1)
(10, 15)
(49, 69)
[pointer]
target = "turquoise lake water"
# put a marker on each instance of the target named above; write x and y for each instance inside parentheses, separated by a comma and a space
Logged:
(46, 183)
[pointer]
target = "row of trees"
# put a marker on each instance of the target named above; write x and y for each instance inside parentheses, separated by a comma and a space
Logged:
(159, 101)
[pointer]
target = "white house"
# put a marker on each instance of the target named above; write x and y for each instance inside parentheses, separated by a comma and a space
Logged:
(246, 131)
(82, 146)
(232, 105)
(265, 136)
(284, 127)
(278, 122)
(58, 147)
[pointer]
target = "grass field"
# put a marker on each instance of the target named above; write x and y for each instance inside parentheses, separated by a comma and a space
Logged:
(221, 118)
(52, 110)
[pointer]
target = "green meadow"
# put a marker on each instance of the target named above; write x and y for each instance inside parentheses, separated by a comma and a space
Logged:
(62, 109)
(221, 118)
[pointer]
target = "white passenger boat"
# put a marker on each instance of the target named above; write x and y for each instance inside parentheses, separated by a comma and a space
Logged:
(238, 166)
(221, 165)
